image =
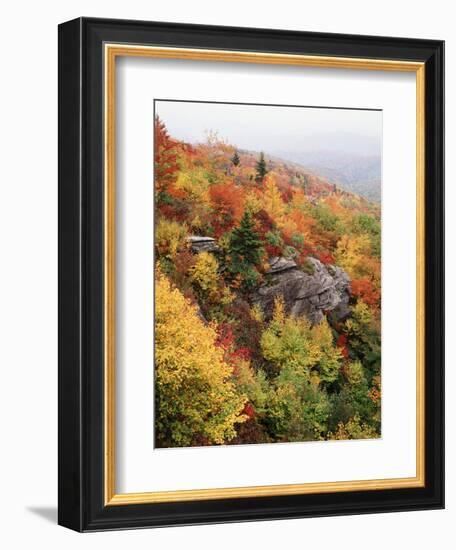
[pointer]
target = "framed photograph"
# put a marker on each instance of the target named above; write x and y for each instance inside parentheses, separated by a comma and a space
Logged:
(251, 311)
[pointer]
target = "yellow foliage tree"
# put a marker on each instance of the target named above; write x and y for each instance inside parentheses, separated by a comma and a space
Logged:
(354, 429)
(286, 341)
(330, 357)
(196, 398)
(292, 342)
(252, 202)
(355, 373)
(351, 252)
(170, 236)
(204, 274)
(210, 287)
(272, 199)
(194, 183)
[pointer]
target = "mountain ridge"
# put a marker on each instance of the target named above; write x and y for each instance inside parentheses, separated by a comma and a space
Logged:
(360, 174)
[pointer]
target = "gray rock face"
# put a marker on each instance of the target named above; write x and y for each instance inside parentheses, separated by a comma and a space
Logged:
(203, 244)
(327, 289)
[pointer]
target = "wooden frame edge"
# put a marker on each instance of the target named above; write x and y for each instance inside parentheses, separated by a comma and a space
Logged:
(263, 491)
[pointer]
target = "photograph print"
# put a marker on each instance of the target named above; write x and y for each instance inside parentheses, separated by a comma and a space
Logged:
(267, 274)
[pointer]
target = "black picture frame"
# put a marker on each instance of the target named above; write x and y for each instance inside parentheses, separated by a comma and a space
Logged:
(81, 404)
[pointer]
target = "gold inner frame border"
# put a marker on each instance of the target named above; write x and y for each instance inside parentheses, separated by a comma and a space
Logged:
(111, 52)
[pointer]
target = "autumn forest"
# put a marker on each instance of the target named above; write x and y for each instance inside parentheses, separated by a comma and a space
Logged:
(267, 299)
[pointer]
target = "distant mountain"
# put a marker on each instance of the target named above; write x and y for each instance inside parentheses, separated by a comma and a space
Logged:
(355, 173)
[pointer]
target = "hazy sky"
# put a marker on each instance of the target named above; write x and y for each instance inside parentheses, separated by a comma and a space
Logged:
(272, 129)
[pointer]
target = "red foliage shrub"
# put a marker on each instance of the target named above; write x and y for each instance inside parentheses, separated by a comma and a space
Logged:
(365, 290)
(249, 410)
(183, 261)
(246, 331)
(177, 211)
(264, 222)
(342, 343)
(227, 202)
(226, 340)
(225, 336)
(287, 194)
(272, 250)
(325, 257)
(250, 431)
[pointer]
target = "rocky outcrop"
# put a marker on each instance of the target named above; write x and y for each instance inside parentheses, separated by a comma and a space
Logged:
(279, 265)
(310, 291)
(203, 244)
(318, 289)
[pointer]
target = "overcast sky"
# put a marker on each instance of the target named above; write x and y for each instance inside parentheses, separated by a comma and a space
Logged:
(272, 129)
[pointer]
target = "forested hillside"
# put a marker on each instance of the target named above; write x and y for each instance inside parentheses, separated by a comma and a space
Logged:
(267, 307)
(360, 174)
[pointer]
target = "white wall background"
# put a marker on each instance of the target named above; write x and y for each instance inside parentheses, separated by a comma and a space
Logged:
(28, 273)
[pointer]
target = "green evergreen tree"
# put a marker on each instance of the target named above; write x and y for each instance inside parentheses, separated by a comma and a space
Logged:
(235, 159)
(245, 252)
(245, 242)
(261, 168)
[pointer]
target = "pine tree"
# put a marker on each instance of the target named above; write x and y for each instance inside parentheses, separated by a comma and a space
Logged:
(261, 169)
(245, 242)
(245, 252)
(235, 159)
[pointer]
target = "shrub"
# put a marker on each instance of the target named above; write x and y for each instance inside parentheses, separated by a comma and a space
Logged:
(204, 273)
(363, 334)
(294, 343)
(297, 410)
(355, 373)
(170, 236)
(354, 429)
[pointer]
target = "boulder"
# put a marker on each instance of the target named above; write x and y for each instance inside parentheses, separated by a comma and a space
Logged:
(321, 288)
(203, 244)
(278, 264)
